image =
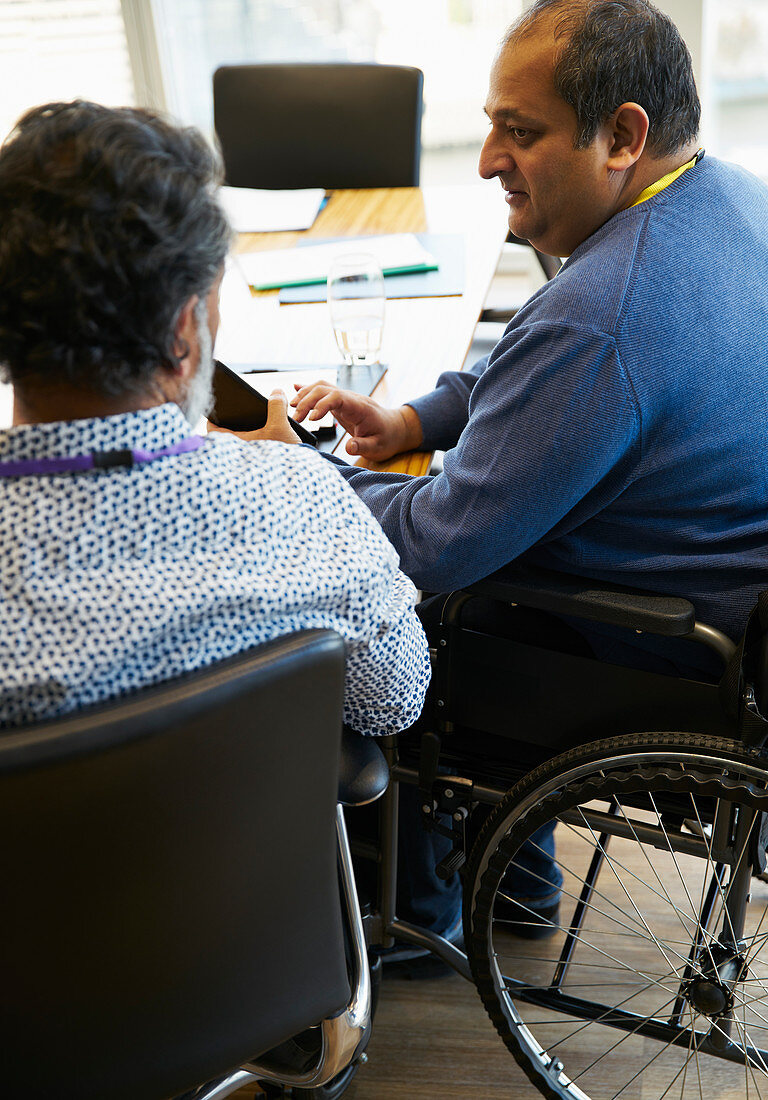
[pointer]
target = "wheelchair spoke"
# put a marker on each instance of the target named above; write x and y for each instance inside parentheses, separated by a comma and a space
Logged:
(624, 1038)
(637, 928)
(645, 1068)
(629, 898)
(752, 954)
(567, 1038)
(630, 874)
(696, 1054)
(630, 931)
(652, 867)
(749, 1065)
(527, 958)
(574, 897)
(618, 962)
(748, 1004)
(749, 1073)
(757, 934)
(684, 1068)
(724, 894)
(762, 936)
(710, 865)
(682, 914)
(763, 1066)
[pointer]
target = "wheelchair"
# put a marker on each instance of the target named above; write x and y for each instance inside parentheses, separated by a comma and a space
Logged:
(652, 979)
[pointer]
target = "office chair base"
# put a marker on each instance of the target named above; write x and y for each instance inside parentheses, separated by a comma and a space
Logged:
(332, 1090)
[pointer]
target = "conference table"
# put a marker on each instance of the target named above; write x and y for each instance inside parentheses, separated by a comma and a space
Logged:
(422, 336)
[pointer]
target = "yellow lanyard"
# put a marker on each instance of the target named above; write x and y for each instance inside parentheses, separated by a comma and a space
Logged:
(665, 181)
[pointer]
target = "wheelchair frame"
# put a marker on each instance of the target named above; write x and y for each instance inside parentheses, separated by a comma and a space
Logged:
(729, 838)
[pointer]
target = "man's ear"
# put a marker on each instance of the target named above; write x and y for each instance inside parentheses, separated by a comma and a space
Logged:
(629, 131)
(185, 332)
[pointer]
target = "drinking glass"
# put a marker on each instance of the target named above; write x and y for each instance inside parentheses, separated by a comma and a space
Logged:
(356, 304)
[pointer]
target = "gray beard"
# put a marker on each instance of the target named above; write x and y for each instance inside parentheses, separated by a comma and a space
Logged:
(198, 399)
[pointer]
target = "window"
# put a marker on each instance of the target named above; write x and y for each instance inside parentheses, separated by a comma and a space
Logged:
(738, 85)
(61, 49)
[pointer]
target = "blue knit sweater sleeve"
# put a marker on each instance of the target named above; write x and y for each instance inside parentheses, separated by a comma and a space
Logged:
(444, 412)
(549, 389)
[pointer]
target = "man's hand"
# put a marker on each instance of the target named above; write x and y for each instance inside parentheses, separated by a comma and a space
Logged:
(376, 433)
(276, 426)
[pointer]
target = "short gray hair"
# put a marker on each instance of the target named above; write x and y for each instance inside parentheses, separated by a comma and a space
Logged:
(614, 52)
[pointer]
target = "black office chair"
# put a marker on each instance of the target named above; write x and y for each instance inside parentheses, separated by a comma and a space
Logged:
(331, 125)
(170, 890)
(655, 967)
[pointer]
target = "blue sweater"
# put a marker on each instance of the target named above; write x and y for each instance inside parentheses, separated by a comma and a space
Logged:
(619, 428)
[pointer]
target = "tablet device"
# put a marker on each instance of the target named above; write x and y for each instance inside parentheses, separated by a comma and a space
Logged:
(240, 407)
(287, 380)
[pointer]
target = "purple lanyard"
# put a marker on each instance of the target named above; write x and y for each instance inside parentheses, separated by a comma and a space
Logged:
(97, 460)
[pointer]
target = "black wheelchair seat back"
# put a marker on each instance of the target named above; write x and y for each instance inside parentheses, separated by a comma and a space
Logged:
(502, 703)
(556, 700)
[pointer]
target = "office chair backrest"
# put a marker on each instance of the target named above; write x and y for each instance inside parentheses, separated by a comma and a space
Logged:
(319, 125)
(169, 883)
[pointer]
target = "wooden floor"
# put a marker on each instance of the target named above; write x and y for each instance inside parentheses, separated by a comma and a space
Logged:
(432, 1040)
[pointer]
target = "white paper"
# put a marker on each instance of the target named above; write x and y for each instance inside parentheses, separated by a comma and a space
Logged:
(238, 337)
(255, 211)
(311, 263)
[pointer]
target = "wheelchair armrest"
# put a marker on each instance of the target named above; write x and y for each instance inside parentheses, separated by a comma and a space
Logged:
(363, 771)
(583, 598)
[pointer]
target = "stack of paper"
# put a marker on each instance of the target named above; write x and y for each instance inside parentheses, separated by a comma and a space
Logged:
(255, 211)
(396, 254)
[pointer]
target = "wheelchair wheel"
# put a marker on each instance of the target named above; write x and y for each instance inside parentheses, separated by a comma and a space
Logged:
(652, 980)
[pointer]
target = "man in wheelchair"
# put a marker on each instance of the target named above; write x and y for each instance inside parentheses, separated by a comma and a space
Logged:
(615, 434)
(615, 431)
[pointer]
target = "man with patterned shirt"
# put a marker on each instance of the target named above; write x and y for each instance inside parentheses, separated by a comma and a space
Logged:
(130, 549)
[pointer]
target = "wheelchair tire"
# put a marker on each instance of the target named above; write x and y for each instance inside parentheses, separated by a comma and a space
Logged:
(661, 993)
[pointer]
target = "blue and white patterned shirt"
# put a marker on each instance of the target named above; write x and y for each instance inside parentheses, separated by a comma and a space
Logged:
(118, 578)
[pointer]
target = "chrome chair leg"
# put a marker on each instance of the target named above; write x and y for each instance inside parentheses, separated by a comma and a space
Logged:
(340, 1036)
